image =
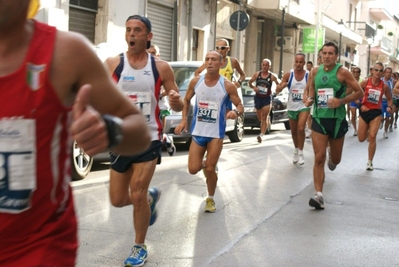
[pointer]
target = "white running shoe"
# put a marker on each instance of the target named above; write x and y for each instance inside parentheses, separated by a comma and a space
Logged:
(370, 165)
(301, 159)
(296, 157)
(317, 201)
(385, 135)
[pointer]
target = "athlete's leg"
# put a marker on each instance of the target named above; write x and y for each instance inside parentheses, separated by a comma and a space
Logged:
(214, 148)
(319, 142)
(373, 130)
(302, 118)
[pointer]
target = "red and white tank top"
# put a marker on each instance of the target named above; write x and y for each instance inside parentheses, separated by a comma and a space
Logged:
(373, 95)
(37, 218)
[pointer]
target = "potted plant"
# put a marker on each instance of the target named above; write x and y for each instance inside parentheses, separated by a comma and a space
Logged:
(380, 27)
(390, 33)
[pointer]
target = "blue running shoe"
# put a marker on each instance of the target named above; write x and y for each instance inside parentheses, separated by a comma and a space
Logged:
(138, 256)
(154, 196)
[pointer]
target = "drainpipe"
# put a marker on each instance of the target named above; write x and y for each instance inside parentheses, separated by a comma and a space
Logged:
(189, 28)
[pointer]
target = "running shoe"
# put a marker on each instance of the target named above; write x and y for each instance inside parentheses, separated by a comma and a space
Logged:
(370, 166)
(385, 135)
(296, 157)
(259, 139)
(301, 159)
(308, 134)
(138, 256)
(355, 133)
(395, 125)
(210, 205)
(390, 129)
(170, 147)
(153, 197)
(317, 201)
(330, 164)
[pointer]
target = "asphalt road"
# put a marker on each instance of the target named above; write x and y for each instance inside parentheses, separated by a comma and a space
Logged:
(263, 217)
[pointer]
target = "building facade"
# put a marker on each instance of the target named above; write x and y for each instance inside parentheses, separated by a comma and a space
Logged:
(365, 30)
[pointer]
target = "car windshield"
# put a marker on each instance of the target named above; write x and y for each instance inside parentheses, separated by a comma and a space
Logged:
(183, 76)
(246, 90)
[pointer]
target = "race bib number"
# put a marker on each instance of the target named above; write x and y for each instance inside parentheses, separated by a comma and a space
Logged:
(262, 90)
(17, 164)
(373, 96)
(142, 100)
(297, 94)
(323, 95)
(207, 112)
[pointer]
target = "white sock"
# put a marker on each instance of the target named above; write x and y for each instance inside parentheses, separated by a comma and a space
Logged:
(211, 197)
(300, 151)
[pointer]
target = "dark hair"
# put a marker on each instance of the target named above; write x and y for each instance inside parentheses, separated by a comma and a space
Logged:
(357, 68)
(331, 44)
(144, 20)
(309, 62)
(301, 54)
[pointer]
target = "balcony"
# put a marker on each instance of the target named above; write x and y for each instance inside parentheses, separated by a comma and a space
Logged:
(267, 4)
(380, 13)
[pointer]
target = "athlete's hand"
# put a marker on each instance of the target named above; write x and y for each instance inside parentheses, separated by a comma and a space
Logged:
(182, 126)
(231, 115)
(309, 101)
(88, 128)
(175, 101)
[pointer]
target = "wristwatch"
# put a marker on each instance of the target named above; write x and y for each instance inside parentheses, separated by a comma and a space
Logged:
(114, 130)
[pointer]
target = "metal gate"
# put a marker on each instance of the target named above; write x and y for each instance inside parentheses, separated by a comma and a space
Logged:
(82, 21)
(161, 18)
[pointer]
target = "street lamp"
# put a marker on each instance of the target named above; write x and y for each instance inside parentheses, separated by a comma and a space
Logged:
(341, 28)
(370, 40)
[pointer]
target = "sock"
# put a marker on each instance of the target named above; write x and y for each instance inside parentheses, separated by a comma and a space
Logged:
(139, 245)
(261, 135)
(211, 197)
(300, 151)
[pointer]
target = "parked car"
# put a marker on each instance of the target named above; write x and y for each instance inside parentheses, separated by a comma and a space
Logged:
(278, 113)
(184, 72)
(81, 163)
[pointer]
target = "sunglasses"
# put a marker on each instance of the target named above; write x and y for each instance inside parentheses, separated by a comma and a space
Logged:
(221, 47)
(356, 71)
(380, 70)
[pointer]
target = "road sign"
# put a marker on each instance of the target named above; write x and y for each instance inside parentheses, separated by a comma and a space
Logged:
(239, 20)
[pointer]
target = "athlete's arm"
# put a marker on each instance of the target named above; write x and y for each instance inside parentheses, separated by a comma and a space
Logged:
(344, 76)
(395, 90)
(169, 84)
(236, 65)
(186, 107)
(388, 95)
(231, 89)
(199, 70)
(283, 84)
(311, 93)
(250, 83)
(76, 67)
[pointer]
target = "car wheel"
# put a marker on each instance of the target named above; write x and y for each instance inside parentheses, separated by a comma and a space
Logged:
(81, 163)
(287, 125)
(238, 133)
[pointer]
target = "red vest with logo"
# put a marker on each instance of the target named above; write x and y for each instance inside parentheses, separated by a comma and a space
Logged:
(37, 219)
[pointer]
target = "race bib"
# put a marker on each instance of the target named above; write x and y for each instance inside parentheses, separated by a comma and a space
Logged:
(262, 90)
(297, 94)
(207, 112)
(373, 96)
(142, 100)
(323, 94)
(17, 164)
